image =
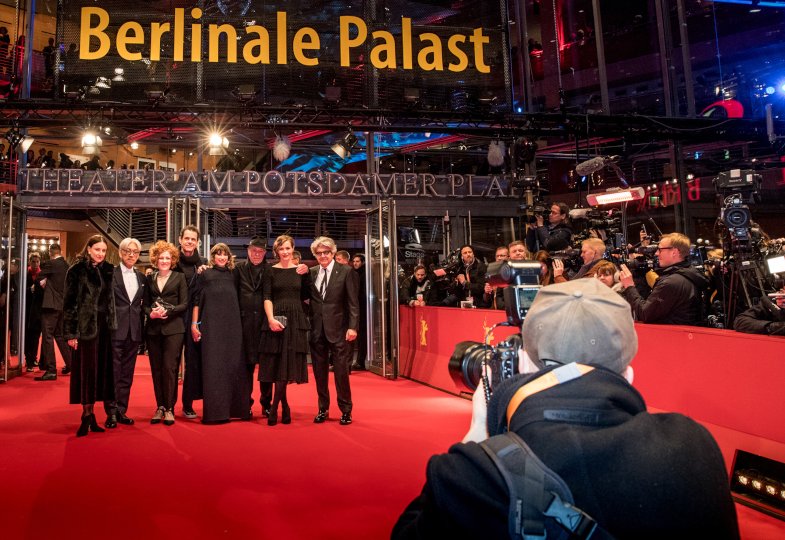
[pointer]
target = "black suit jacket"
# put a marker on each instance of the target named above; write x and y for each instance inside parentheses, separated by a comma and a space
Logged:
(175, 293)
(54, 271)
(130, 318)
(251, 295)
(339, 310)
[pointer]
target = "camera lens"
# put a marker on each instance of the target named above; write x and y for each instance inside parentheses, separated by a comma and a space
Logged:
(466, 364)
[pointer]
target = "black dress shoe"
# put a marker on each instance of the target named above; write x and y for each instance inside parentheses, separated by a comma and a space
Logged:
(123, 419)
(111, 421)
(48, 376)
(65, 371)
(321, 417)
(346, 419)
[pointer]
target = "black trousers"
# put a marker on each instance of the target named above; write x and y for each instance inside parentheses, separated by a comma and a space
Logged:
(341, 351)
(265, 389)
(192, 379)
(51, 332)
(361, 343)
(123, 364)
(164, 353)
(32, 337)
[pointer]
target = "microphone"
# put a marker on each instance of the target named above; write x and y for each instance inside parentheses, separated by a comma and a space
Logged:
(594, 164)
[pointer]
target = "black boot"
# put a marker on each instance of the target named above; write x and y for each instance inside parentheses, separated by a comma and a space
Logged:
(280, 391)
(84, 426)
(94, 425)
(286, 414)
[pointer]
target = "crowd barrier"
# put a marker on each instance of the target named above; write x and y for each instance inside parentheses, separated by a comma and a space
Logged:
(732, 383)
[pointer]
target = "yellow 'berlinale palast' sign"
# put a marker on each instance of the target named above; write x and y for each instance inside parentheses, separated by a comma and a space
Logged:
(434, 53)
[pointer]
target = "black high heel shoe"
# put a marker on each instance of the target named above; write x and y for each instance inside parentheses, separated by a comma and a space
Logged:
(84, 426)
(94, 425)
(286, 415)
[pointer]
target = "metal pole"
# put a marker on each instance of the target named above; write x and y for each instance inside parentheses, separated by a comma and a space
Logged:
(662, 26)
(686, 59)
(601, 68)
(524, 60)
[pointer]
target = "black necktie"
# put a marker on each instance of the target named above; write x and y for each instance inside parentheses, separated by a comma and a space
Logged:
(323, 286)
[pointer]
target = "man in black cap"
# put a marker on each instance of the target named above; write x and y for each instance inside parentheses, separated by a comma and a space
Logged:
(638, 475)
(250, 281)
(250, 290)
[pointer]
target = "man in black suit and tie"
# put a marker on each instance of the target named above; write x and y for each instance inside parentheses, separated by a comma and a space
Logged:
(128, 287)
(335, 317)
(52, 279)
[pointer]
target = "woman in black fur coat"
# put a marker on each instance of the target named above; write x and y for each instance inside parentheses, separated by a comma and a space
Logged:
(88, 321)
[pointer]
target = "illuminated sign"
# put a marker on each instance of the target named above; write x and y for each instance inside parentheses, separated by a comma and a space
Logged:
(253, 44)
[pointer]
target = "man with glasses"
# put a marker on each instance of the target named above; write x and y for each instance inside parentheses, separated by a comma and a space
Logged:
(334, 321)
(128, 288)
(676, 295)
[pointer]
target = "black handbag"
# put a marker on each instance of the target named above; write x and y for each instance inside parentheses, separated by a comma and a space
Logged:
(166, 305)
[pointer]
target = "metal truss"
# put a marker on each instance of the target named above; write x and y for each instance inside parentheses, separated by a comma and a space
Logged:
(134, 117)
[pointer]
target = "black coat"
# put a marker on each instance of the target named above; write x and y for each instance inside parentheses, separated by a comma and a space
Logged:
(129, 314)
(251, 297)
(674, 299)
(84, 299)
(175, 293)
(53, 271)
(636, 473)
(764, 318)
(550, 239)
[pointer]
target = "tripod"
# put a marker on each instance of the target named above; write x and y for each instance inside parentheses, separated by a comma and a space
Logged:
(740, 271)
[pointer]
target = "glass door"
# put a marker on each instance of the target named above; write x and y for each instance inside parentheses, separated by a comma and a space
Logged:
(13, 276)
(381, 304)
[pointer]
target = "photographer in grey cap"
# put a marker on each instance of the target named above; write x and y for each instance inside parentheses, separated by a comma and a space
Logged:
(638, 475)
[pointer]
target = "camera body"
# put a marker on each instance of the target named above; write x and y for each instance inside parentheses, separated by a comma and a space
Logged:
(521, 282)
(571, 258)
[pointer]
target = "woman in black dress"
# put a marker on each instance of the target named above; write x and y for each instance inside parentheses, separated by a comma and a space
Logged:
(285, 344)
(88, 321)
(166, 300)
(217, 325)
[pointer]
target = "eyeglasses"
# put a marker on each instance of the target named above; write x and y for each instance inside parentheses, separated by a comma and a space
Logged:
(666, 247)
(130, 251)
(323, 253)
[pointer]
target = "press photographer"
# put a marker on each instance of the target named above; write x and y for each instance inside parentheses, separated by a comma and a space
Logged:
(592, 251)
(676, 296)
(579, 431)
(469, 280)
(555, 236)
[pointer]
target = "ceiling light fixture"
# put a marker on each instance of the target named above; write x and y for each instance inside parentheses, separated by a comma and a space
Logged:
(345, 145)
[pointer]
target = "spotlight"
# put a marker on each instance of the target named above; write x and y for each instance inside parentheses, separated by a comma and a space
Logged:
(134, 145)
(156, 95)
(245, 93)
(103, 82)
(332, 94)
(345, 146)
(91, 143)
(218, 144)
(21, 143)
(73, 93)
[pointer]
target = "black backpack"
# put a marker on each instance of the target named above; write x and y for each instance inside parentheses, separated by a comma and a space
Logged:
(541, 504)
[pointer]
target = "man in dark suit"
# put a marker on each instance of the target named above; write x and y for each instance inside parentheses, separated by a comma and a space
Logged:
(52, 279)
(250, 277)
(358, 263)
(335, 317)
(128, 287)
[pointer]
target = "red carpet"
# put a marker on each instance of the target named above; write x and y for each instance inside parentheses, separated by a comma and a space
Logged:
(241, 480)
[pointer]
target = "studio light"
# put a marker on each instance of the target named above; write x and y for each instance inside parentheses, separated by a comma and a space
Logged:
(345, 145)
(17, 141)
(615, 196)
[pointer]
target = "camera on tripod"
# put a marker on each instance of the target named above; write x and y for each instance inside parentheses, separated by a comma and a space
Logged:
(521, 281)
(734, 186)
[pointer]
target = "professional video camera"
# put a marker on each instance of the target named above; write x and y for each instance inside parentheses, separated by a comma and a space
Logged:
(521, 282)
(571, 258)
(531, 191)
(736, 188)
(642, 258)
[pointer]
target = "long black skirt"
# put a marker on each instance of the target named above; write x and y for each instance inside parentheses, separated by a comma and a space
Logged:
(91, 368)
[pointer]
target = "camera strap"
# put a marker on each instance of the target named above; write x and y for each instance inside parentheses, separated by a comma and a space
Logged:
(550, 379)
(541, 503)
